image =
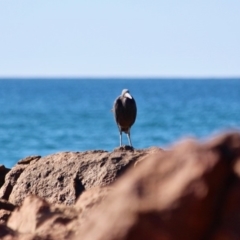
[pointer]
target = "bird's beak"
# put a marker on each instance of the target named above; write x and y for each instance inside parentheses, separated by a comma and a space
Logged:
(128, 95)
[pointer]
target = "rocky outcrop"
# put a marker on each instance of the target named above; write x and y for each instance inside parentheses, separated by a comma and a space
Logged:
(62, 177)
(191, 191)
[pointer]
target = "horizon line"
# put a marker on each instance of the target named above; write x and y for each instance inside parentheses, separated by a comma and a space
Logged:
(118, 77)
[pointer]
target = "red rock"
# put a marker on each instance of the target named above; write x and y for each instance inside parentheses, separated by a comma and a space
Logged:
(176, 195)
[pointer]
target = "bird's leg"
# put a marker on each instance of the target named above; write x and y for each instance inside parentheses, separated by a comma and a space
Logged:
(129, 138)
(120, 133)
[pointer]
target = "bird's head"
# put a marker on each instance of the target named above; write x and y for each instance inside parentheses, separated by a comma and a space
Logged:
(125, 93)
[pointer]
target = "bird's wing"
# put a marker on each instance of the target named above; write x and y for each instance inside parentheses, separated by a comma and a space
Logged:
(134, 109)
(118, 109)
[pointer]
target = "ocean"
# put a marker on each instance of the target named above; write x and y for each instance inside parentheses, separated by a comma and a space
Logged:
(45, 116)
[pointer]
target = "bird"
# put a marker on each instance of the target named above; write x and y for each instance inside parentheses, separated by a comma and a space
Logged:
(125, 112)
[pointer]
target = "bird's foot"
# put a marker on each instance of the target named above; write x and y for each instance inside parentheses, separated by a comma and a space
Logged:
(124, 148)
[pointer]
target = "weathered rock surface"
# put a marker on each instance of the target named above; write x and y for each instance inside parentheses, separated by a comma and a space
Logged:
(6, 205)
(10, 181)
(36, 217)
(5, 210)
(6, 233)
(3, 172)
(62, 177)
(191, 191)
(4, 215)
(88, 201)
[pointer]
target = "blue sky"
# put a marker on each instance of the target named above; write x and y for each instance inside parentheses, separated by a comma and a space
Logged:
(151, 38)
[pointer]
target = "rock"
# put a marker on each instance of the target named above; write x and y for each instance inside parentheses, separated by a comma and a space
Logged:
(89, 200)
(92, 197)
(10, 181)
(3, 172)
(4, 215)
(7, 234)
(62, 177)
(37, 216)
(4, 204)
(229, 216)
(189, 192)
(29, 159)
(5, 210)
(36, 212)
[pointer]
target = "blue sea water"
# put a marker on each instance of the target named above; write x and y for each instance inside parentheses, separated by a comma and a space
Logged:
(44, 116)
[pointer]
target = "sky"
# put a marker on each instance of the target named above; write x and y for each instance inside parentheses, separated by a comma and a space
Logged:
(127, 38)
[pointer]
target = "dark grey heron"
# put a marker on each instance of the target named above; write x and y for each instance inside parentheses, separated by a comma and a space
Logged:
(125, 112)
